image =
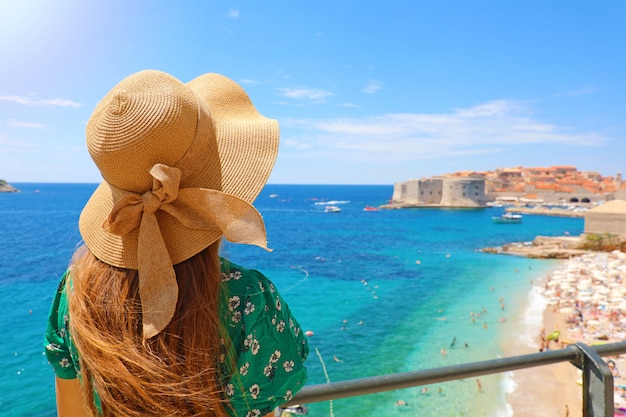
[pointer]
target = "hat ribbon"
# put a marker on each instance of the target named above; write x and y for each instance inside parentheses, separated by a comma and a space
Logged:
(194, 208)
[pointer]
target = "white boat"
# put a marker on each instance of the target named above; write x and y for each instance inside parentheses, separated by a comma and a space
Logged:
(508, 218)
(332, 209)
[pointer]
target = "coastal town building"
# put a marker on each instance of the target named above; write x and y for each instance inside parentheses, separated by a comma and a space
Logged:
(539, 185)
(607, 219)
(553, 185)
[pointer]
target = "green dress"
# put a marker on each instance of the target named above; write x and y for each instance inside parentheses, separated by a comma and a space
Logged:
(268, 343)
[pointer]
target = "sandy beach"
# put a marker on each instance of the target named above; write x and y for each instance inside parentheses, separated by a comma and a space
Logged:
(585, 300)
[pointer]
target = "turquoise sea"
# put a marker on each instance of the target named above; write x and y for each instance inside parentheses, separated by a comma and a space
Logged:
(382, 291)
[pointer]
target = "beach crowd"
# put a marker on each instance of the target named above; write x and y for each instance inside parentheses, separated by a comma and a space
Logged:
(589, 294)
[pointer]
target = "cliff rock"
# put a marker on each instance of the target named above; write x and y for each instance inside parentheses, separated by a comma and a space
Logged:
(5, 187)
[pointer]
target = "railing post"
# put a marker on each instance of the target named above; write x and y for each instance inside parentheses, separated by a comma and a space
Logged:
(597, 382)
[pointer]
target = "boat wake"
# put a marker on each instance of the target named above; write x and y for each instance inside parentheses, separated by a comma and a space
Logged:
(306, 276)
(331, 202)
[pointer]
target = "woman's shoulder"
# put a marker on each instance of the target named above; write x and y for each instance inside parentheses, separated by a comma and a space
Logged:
(238, 279)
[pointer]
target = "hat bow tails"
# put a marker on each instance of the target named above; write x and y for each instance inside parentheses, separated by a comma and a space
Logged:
(194, 208)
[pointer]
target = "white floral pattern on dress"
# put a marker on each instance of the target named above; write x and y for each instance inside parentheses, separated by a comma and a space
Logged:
(244, 369)
(249, 308)
(280, 327)
(255, 390)
(233, 303)
(288, 366)
(288, 395)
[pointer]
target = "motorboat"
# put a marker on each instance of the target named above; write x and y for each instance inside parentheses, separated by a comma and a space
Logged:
(370, 208)
(508, 218)
(332, 209)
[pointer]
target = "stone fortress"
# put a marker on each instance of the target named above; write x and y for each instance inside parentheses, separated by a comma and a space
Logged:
(442, 191)
(552, 186)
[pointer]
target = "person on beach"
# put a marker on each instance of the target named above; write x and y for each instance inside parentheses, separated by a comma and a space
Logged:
(479, 385)
(149, 320)
(542, 340)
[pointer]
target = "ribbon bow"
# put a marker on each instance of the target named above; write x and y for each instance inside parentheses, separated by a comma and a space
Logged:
(194, 208)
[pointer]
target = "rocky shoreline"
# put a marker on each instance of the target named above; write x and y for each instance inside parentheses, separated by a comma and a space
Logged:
(7, 188)
(546, 247)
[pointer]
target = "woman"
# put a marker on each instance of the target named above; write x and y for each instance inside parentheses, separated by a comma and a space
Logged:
(149, 320)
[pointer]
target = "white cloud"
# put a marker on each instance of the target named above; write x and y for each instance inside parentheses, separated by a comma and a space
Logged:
(35, 101)
(15, 123)
(494, 108)
(233, 14)
(490, 127)
(579, 92)
(7, 142)
(304, 93)
(373, 86)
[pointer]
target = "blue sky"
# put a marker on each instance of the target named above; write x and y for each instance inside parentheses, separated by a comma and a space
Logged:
(365, 92)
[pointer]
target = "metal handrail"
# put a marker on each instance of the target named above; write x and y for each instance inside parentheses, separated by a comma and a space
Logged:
(596, 376)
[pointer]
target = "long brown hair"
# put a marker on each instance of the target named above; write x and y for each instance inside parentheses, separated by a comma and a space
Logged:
(171, 374)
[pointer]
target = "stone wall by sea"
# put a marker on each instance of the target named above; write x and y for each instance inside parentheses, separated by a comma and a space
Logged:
(440, 192)
(609, 218)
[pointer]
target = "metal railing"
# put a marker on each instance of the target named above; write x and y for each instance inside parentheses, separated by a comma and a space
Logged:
(597, 386)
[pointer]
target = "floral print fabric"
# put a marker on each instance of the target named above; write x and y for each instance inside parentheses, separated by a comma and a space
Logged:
(260, 369)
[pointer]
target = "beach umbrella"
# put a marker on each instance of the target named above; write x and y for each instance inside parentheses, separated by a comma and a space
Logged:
(593, 322)
(597, 274)
(622, 305)
(619, 290)
(597, 297)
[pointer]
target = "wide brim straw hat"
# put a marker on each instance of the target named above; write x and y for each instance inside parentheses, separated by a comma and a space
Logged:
(152, 118)
(181, 165)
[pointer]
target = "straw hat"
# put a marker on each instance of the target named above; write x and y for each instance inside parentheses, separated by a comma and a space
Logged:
(181, 166)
